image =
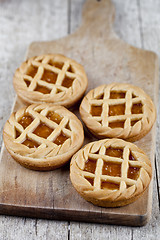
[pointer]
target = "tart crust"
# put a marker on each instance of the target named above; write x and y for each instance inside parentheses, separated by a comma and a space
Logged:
(50, 78)
(118, 110)
(110, 172)
(43, 136)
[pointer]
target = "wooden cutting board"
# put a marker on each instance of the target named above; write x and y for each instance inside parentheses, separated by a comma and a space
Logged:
(106, 59)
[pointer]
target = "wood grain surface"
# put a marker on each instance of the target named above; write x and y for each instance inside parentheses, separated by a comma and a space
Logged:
(41, 229)
(106, 59)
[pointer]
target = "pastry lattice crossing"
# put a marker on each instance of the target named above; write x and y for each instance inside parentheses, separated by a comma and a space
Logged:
(50, 78)
(43, 137)
(118, 110)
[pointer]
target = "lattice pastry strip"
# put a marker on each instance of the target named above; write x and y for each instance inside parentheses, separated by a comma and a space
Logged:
(110, 172)
(50, 78)
(118, 110)
(43, 137)
(57, 129)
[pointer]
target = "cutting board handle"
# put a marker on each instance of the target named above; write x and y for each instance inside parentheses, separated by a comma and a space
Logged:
(97, 17)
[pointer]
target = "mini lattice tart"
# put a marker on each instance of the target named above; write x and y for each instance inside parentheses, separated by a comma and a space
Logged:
(110, 172)
(43, 136)
(118, 110)
(51, 78)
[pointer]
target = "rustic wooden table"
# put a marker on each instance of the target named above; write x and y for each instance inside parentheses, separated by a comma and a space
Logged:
(21, 22)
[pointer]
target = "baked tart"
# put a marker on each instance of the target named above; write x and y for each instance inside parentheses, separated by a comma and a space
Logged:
(43, 136)
(118, 110)
(110, 172)
(50, 78)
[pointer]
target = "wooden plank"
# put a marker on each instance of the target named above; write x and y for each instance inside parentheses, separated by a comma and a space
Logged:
(22, 22)
(76, 14)
(68, 48)
(124, 13)
(126, 23)
(150, 25)
(12, 228)
(116, 232)
(150, 35)
(152, 229)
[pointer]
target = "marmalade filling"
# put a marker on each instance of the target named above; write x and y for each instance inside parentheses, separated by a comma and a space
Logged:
(30, 143)
(133, 172)
(96, 110)
(91, 180)
(115, 110)
(67, 82)
(114, 152)
(61, 139)
(111, 169)
(109, 185)
(56, 64)
(32, 70)
(137, 108)
(43, 130)
(116, 124)
(42, 89)
(90, 166)
(26, 120)
(55, 117)
(117, 95)
(49, 76)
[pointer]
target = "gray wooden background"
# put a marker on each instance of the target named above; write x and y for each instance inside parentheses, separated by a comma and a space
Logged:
(24, 21)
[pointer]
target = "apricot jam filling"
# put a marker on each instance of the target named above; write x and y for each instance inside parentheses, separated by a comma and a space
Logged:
(49, 76)
(55, 117)
(43, 130)
(134, 122)
(32, 70)
(109, 185)
(133, 172)
(116, 124)
(96, 110)
(117, 95)
(115, 110)
(100, 96)
(111, 169)
(56, 64)
(70, 69)
(137, 108)
(59, 90)
(97, 152)
(68, 126)
(67, 82)
(131, 157)
(90, 166)
(61, 139)
(42, 89)
(114, 152)
(27, 82)
(26, 120)
(91, 180)
(17, 133)
(30, 143)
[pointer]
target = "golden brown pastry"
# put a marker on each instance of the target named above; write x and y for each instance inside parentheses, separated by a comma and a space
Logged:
(110, 172)
(50, 78)
(118, 110)
(43, 136)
